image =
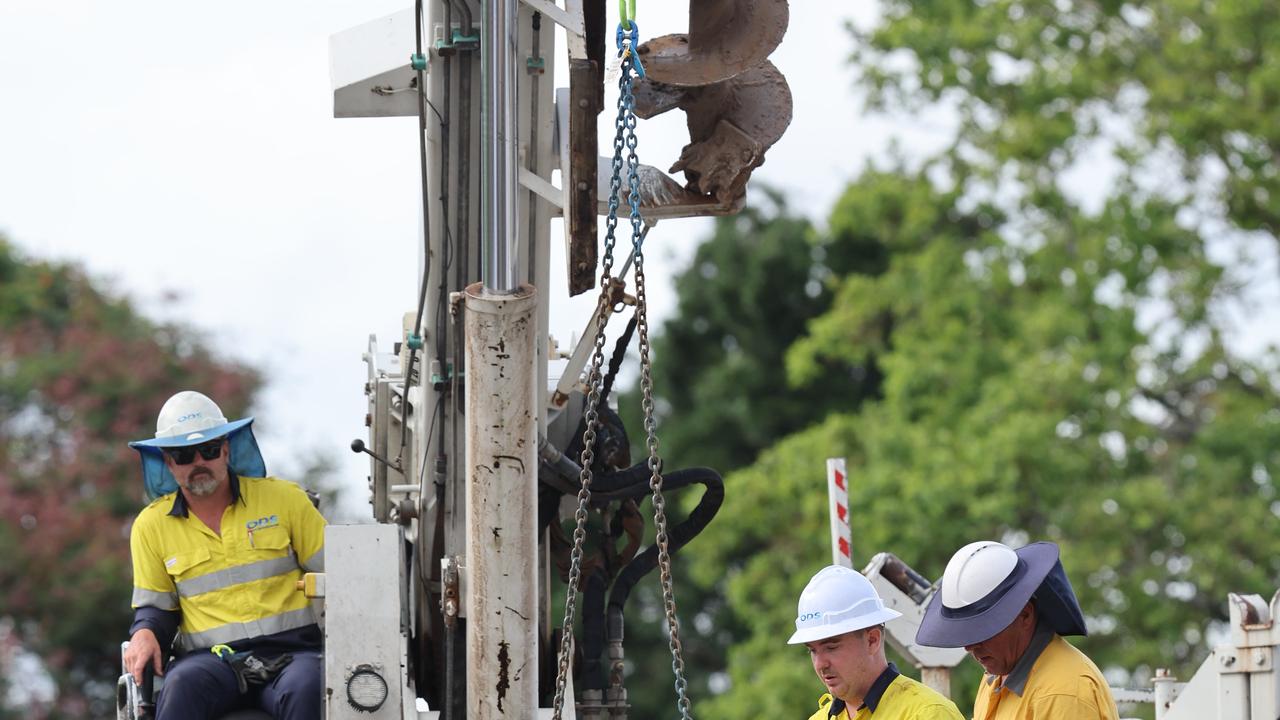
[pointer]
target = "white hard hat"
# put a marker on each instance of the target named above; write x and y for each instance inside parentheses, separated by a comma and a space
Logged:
(975, 570)
(836, 601)
(985, 586)
(190, 418)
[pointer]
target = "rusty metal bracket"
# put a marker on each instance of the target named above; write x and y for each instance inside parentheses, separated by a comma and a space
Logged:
(451, 601)
(580, 146)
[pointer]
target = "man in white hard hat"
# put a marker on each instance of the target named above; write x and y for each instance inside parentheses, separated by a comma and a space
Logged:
(1009, 609)
(840, 619)
(218, 555)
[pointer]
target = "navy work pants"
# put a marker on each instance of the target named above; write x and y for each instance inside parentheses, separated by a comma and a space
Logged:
(200, 686)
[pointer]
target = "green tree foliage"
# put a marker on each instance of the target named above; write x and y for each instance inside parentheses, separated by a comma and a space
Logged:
(721, 381)
(1056, 365)
(1020, 402)
(1194, 84)
(81, 373)
(743, 300)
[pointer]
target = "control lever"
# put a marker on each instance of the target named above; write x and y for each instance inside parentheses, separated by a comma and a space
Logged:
(358, 446)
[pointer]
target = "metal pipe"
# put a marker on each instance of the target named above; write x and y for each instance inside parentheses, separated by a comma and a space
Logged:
(532, 160)
(462, 256)
(447, 113)
(448, 247)
(464, 152)
(463, 239)
(499, 51)
(501, 504)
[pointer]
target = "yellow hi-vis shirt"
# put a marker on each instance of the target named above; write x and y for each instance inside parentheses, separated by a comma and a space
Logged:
(236, 582)
(904, 699)
(1051, 681)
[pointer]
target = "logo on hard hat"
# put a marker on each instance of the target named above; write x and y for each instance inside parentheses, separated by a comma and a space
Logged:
(189, 416)
(808, 616)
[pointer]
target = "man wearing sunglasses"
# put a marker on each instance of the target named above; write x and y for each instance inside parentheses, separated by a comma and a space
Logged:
(217, 556)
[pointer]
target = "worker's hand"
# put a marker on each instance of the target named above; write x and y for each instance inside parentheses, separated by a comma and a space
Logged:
(143, 648)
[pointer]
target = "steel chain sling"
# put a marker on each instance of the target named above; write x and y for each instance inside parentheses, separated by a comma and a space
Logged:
(624, 138)
(595, 380)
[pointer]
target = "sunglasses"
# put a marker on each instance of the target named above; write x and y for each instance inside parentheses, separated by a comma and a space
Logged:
(187, 455)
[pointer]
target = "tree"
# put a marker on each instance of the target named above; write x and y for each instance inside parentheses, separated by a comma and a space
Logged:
(1177, 101)
(1018, 404)
(745, 297)
(1055, 366)
(81, 373)
(720, 387)
(1187, 91)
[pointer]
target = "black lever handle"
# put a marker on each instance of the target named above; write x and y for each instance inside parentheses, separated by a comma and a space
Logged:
(358, 446)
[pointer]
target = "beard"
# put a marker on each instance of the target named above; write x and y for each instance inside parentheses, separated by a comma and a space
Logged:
(202, 485)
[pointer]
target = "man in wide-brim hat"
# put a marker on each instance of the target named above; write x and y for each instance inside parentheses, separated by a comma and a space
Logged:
(217, 557)
(1009, 609)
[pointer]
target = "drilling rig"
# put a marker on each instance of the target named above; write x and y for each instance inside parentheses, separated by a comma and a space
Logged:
(483, 435)
(485, 439)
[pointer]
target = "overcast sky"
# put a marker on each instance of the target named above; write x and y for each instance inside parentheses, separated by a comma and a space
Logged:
(191, 149)
(186, 148)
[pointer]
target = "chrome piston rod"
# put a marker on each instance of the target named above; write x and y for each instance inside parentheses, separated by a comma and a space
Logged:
(498, 48)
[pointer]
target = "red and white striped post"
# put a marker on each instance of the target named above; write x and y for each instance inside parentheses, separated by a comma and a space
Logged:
(838, 493)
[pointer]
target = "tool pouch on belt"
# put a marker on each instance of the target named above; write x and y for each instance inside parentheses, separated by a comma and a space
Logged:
(251, 670)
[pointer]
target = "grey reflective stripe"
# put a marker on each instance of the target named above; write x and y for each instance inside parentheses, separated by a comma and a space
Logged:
(162, 600)
(231, 632)
(315, 563)
(227, 577)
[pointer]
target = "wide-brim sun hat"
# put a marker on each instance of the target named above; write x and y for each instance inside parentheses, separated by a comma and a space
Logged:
(191, 418)
(836, 601)
(986, 585)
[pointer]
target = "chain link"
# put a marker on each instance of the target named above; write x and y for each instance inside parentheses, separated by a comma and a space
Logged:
(650, 426)
(625, 138)
(595, 383)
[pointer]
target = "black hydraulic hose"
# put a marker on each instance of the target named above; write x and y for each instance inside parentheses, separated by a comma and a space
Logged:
(605, 624)
(593, 631)
(631, 483)
(677, 537)
(615, 360)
